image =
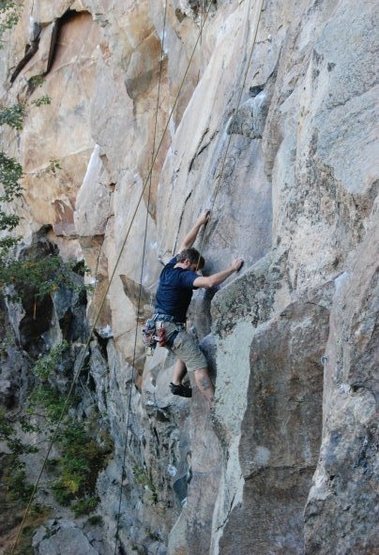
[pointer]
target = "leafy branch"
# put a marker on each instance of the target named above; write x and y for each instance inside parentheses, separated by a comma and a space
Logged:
(10, 174)
(42, 100)
(9, 16)
(13, 116)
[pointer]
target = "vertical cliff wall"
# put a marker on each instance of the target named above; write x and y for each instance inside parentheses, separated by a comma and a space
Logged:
(265, 114)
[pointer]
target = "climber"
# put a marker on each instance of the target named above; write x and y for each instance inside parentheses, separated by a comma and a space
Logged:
(176, 283)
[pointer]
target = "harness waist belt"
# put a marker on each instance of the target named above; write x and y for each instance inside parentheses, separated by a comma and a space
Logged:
(166, 318)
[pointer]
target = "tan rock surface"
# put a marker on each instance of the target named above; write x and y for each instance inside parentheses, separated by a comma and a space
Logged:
(292, 185)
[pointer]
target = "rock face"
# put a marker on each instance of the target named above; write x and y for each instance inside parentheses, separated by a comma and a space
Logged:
(280, 429)
(344, 480)
(66, 538)
(156, 112)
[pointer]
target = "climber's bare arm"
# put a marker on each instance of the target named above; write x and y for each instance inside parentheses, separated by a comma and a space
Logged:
(190, 238)
(215, 279)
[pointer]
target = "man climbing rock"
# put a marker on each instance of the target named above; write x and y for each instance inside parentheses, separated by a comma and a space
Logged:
(176, 284)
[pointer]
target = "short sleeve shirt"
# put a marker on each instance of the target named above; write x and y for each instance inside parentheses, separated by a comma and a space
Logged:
(175, 290)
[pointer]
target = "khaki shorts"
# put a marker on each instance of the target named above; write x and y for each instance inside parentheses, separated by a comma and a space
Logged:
(185, 347)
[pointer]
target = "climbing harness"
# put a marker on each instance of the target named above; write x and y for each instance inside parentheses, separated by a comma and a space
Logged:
(154, 332)
(149, 336)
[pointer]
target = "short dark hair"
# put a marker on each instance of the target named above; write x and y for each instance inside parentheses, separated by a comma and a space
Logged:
(193, 256)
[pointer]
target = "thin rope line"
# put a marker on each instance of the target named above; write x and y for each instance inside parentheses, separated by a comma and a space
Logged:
(51, 443)
(123, 467)
(219, 177)
(76, 375)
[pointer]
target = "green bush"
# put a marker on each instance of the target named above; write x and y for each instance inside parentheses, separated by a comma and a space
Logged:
(38, 277)
(13, 116)
(10, 174)
(95, 520)
(50, 400)
(9, 436)
(61, 494)
(144, 479)
(14, 475)
(85, 506)
(36, 81)
(81, 460)
(10, 14)
(42, 100)
(48, 363)
(16, 482)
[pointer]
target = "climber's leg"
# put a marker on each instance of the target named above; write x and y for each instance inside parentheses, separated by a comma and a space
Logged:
(190, 358)
(205, 385)
(180, 371)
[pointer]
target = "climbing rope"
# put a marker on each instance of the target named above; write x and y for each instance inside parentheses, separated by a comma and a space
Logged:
(123, 466)
(83, 352)
(203, 21)
(203, 235)
(248, 63)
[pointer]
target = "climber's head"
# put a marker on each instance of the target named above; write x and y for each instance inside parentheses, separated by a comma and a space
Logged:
(192, 259)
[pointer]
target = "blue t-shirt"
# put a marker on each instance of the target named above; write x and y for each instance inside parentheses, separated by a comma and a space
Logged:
(174, 292)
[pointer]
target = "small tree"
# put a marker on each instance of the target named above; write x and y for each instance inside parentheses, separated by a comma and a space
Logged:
(9, 16)
(10, 175)
(43, 275)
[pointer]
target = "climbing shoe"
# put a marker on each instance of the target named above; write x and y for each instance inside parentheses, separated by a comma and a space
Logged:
(181, 390)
